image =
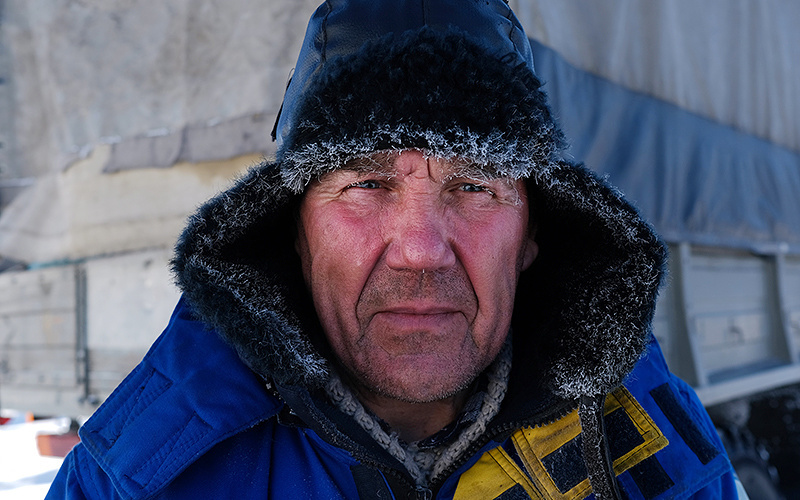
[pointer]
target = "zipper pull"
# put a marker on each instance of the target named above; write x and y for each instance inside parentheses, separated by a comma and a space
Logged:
(424, 493)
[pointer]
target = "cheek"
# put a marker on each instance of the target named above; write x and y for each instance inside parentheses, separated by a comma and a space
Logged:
(338, 254)
(492, 253)
(344, 247)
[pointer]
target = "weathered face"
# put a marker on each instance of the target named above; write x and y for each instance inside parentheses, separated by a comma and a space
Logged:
(413, 263)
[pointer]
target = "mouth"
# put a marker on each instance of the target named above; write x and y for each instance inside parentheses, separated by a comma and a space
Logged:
(419, 309)
(408, 297)
(418, 318)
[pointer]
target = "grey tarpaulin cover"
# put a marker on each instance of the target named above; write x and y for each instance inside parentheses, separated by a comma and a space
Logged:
(694, 179)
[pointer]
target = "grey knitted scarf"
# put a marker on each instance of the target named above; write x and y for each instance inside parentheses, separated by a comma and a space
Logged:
(423, 464)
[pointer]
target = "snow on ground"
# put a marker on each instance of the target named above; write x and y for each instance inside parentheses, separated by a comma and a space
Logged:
(24, 474)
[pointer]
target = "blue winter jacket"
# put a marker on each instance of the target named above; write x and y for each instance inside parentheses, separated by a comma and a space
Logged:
(192, 421)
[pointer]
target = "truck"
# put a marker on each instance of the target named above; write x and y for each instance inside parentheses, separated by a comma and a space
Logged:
(81, 302)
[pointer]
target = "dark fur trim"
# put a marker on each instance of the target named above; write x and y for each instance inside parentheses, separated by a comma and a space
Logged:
(589, 298)
(236, 265)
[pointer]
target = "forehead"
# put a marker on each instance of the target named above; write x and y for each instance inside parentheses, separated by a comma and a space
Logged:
(386, 163)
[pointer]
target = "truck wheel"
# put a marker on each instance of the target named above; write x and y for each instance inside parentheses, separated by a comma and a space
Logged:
(756, 480)
(751, 463)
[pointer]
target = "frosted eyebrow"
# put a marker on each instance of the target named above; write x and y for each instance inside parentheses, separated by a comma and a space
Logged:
(379, 163)
(359, 167)
(472, 170)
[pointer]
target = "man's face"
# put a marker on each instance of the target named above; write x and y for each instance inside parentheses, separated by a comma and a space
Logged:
(412, 263)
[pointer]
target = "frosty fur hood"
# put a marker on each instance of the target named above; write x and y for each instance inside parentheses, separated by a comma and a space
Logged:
(456, 81)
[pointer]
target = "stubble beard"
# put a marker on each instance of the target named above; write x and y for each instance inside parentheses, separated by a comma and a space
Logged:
(447, 287)
(373, 380)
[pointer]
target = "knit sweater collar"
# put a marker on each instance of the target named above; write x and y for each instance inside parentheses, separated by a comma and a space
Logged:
(427, 458)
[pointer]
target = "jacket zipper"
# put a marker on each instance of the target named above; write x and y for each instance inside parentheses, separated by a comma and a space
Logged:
(424, 493)
(437, 482)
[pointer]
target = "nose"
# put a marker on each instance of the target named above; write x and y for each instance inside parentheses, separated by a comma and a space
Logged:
(419, 238)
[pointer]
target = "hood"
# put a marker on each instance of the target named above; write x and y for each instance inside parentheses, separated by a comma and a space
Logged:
(453, 79)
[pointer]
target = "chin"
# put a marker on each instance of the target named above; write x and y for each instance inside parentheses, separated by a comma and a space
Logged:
(416, 389)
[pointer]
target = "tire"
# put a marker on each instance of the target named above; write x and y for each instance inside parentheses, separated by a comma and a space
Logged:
(756, 480)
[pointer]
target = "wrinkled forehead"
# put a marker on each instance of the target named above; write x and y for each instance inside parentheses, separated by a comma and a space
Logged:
(384, 163)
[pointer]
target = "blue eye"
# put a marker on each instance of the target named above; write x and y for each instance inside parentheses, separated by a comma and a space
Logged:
(366, 184)
(472, 188)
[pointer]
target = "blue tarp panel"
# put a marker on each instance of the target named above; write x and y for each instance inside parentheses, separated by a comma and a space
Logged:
(694, 179)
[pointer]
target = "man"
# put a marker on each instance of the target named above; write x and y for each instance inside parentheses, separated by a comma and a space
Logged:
(419, 298)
